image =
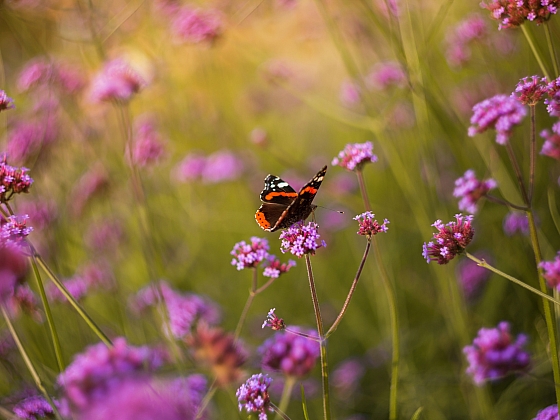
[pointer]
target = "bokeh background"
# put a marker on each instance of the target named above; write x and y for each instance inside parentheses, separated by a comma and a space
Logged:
(280, 87)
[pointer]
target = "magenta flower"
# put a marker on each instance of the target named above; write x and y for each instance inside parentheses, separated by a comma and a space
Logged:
(91, 184)
(513, 13)
(42, 211)
(249, 255)
(516, 222)
(104, 236)
(117, 81)
(274, 268)
(385, 75)
(553, 100)
(494, 354)
(551, 145)
(355, 156)
(347, 375)
(220, 166)
(147, 145)
(39, 73)
(197, 25)
(24, 300)
(471, 190)
(551, 272)
(13, 180)
(34, 408)
(273, 321)
(349, 93)
(27, 138)
(253, 395)
(450, 240)
(5, 101)
(501, 113)
(13, 267)
(529, 91)
(289, 353)
(190, 167)
(14, 230)
(548, 413)
(369, 226)
(300, 239)
(472, 277)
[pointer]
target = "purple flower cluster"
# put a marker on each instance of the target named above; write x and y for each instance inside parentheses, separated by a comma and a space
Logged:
(355, 156)
(98, 372)
(553, 101)
(89, 278)
(461, 36)
(5, 101)
(249, 255)
(13, 267)
(90, 184)
(548, 413)
(472, 277)
(27, 138)
(499, 112)
(147, 145)
(13, 180)
(39, 73)
(369, 226)
(494, 354)
(274, 267)
(220, 166)
(450, 240)
(387, 74)
(197, 25)
(513, 13)
(350, 93)
(516, 222)
(34, 408)
(253, 395)
(14, 230)
(24, 300)
(300, 239)
(530, 90)
(471, 190)
(551, 145)
(290, 353)
(551, 272)
(273, 321)
(117, 81)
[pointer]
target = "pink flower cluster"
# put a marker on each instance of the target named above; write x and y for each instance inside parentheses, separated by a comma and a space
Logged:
(471, 190)
(300, 239)
(450, 240)
(117, 81)
(89, 278)
(220, 166)
(355, 156)
(5, 101)
(147, 144)
(197, 25)
(39, 73)
(13, 180)
(551, 272)
(461, 36)
(513, 13)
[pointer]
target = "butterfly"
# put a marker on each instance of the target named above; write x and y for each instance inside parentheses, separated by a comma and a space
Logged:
(282, 206)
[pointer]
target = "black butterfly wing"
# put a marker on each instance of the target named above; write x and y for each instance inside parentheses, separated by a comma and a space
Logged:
(277, 191)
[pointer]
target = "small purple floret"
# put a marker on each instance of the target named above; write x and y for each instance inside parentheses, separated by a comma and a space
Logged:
(253, 395)
(369, 226)
(471, 190)
(249, 255)
(300, 239)
(450, 240)
(355, 156)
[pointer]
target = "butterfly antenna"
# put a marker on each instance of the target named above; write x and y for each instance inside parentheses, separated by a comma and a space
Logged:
(338, 211)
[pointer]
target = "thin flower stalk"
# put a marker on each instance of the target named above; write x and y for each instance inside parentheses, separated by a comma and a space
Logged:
(252, 294)
(91, 323)
(532, 155)
(533, 47)
(363, 190)
(322, 342)
(505, 202)
(286, 393)
(518, 174)
(279, 412)
(551, 49)
(29, 363)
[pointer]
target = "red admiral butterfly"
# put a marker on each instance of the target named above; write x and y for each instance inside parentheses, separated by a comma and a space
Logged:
(282, 206)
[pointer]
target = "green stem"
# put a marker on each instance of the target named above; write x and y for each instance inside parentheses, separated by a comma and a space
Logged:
(48, 313)
(29, 363)
(252, 294)
(322, 342)
(73, 301)
(533, 47)
(482, 263)
(551, 49)
(286, 394)
(532, 155)
(279, 412)
(363, 189)
(518, 174)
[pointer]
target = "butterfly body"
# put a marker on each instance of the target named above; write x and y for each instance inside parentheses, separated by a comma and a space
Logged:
(282, 206)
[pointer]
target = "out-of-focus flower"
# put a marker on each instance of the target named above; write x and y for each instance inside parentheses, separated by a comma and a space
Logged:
(548, 413)
(278, 71)
(219, 351)
(148, 146)
(259, 136)
(104, 235)
(220, 166)
(494, 354)
(5, 101)
(34, 408)
(14, 230)
(472, 277)
(93, 182)
(42, 211)
(464, 33)
(13, 267)
(385, 75)
(513, 13)
(289, 353)
(190, 167)
(99, 371)
(530, 90)
(90, 277)
(551, 272)
(553, 100)
(346, 377)
(253, 395)
(117, 81)
(349, 93)
(300, 239)
(249, 255)
(39, 73)
(27, 138)
(516, 222)
(274, 267)
(355, 156)
(197, 25)
(24, 300)
(273, 321)
(369, 226)
(450, 240)
(13, 180)
(551, 145)
(499, 112)
(471, 190)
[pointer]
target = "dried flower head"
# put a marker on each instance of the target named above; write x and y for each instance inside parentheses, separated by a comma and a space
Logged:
(369, 226)
(300, 239)
(450, 240)
(471, 190)
(253, 395)
(494, 354)
(529, 91)
(5, 101)
(355, 156)
(273, 321)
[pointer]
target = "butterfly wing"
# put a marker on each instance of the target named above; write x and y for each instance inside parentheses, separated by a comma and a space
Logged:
(278, 191)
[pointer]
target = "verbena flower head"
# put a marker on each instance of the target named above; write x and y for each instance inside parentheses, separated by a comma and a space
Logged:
(471, 190)
(289, 353)
(499, 112)
(197, 25)
(516, 222)
(117, 81)
(349, 93)
(548, 413)
(249, 255)
(253, 395)
(274, 268)
(40, 73)
(464, 33)
(190, 168)
(355, 156)
(273, 321)
(96, 373)
(13, 268)
(494, 354)
(13, 180)
(513, 13)
(300, 239)
(369, 226)
(147, 146)
(385, 75)
(5, 101)
(347, 375)
(530, 90)
(450, 240)
(551, 145)
(24, 300)
(220, 166)
(14, 230)
(553, 100)
(551, 272)
(34, 408)
(472, 277)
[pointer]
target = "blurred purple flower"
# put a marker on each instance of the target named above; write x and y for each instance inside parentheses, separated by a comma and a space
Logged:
(13, 267)
(548, 413)
(346, 377)
(190, 167)
(88, 278)
(97, 373)
(5, 101)
(147, 144)
(529, 91)
(42, 211)
(551, 272)
(197, 25)
(34, 408)
(516, 222)
(253, 395)
(464, 33)
(553, 100)
(289, 353)
(249, 255)
(450, 240)
(551, 145)
(104, 235)
(117, 81)
(355, 156)
(258, 136)
(39, 73)
(513, 13)
(26, 138)
(369, 226)
(349, 93)
(499, 112)
(273, 321)
(300, 239)
(471, 190)
(222, 166)
(14, 230)
(494, 354)
(92, 183)
(24, 300)
(385, 75)
(274, 267)
(472, 277)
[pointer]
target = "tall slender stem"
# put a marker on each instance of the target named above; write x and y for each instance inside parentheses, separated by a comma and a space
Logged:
(252, 294)
(539, 59)
(363, 189)
(532, 154)
(518, 173)
(551, 49)
(289, 383)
